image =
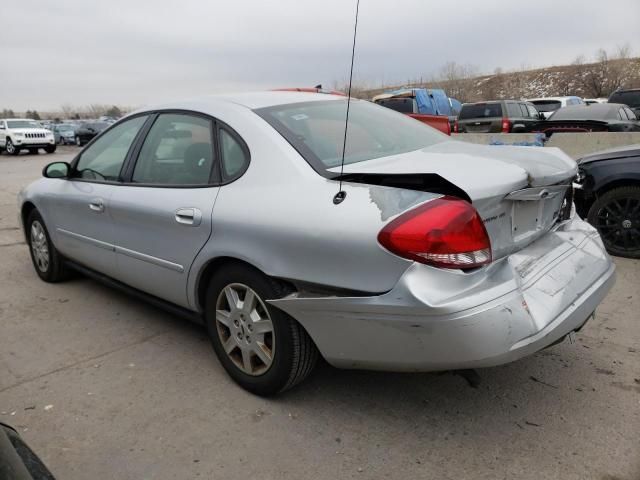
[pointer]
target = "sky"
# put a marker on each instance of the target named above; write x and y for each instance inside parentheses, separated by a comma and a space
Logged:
(140, 52)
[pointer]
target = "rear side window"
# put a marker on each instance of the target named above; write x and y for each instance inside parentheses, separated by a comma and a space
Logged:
(547, 105)
(514, 110)
(178, 150)
(533, 113)
(632, 99)
(480, 110)
(234, 157)
(630, 114)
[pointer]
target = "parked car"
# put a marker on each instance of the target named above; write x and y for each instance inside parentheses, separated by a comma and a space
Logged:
(591, 101)
(25, 134)
(546, 106)
(629, 97)
(434, 255)
(598, 117)
(500, 116)
(64, 133)
(430, 106)
(607, 193)
(17, 460)
(86, 131)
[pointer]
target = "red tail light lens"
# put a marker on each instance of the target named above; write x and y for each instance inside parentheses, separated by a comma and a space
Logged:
(455, 127)
(446, 232)
(506, 125)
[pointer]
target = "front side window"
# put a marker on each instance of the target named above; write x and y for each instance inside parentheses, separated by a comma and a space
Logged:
(316, 130)
(178, 150)
(103, 159)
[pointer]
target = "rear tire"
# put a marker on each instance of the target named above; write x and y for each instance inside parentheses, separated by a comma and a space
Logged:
(616, 215)
(289, 351)
(48, 263)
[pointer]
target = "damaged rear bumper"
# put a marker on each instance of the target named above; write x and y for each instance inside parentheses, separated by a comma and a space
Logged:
(436, 319)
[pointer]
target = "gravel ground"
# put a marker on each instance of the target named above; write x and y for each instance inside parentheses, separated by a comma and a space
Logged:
(103, 386)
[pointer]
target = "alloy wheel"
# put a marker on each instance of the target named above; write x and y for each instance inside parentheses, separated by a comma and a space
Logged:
(619, 223)
(9, 147)
(39, 246)
(245, 329)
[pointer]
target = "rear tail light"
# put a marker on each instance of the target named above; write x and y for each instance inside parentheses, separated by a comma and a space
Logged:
(506, 125)
(446, 232)
(456, 127)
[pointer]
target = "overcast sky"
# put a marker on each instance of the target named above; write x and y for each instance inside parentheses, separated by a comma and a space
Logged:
(139, 52)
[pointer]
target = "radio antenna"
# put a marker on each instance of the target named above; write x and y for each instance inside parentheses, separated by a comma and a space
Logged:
(341, 195)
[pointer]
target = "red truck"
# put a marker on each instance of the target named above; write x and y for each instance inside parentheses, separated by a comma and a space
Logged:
(432, 107)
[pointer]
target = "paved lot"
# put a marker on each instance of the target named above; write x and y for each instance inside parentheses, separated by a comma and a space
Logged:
(103, 386)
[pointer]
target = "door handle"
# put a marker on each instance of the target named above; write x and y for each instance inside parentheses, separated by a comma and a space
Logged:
(189, 216)
(97, 205)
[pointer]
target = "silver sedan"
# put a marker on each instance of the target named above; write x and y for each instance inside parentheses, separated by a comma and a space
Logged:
(436, 255)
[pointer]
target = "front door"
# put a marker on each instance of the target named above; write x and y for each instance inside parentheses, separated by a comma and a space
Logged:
(81, 204)
(162, 215)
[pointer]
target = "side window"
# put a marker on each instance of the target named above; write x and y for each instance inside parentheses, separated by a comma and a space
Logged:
(622, 115)
(234, 158)
(630, 114)
(514, 110)
(103, 160)
(533, 113)
(177, 151)
(523, 110)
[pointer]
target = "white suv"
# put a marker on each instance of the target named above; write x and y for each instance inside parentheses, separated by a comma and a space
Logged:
(23, 133)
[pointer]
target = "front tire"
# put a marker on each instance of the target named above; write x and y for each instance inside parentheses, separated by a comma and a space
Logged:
(262, 348)
(50, 148)
(47, 262)
(78, 141)
(11, 148)
(616, 215)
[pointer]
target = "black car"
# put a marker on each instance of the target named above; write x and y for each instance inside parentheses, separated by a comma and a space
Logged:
(17, 460)
(607, 193)
(630, 97)
(500, 116)
(597, 117)
(88, 130)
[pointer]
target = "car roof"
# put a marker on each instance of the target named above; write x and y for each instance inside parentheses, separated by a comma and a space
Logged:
(626, 90)
(250, 100)
(552, 98)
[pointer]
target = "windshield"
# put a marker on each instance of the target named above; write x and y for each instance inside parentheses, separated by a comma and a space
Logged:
(316, 131)
(22, 124)
(480, 110)
(547, 105)
(631, 99)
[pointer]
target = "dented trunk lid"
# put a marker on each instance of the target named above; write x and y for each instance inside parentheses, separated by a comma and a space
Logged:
(518, 191)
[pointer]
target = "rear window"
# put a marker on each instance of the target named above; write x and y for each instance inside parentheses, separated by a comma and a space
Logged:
(316, 131)
(480, 110)
(600, 111)
(404, 105)
(631, 99)
(547, 105)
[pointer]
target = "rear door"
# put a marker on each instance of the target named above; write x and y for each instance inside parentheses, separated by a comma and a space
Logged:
(162, 214)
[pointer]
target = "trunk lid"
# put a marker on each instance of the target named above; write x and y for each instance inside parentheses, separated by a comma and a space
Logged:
(518, 191)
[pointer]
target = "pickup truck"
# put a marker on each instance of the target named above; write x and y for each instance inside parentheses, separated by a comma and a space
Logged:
(430, 106)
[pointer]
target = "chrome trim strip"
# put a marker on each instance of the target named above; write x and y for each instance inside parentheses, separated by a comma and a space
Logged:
(125, 251)
(150, 259)
(92, 241)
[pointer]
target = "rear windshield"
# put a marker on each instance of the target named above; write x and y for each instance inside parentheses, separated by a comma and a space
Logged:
(316, 131)
(480, 110)
(600, 111)
(547, 105)
(404, 105)
(631, 99)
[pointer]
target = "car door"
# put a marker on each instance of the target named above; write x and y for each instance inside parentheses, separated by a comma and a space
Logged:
(81, 203)
(162, 215)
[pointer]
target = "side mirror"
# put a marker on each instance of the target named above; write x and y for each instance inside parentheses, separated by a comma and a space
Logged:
(56, 170)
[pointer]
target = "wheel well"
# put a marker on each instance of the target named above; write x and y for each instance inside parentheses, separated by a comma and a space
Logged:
(211, 267)
(27, 208)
